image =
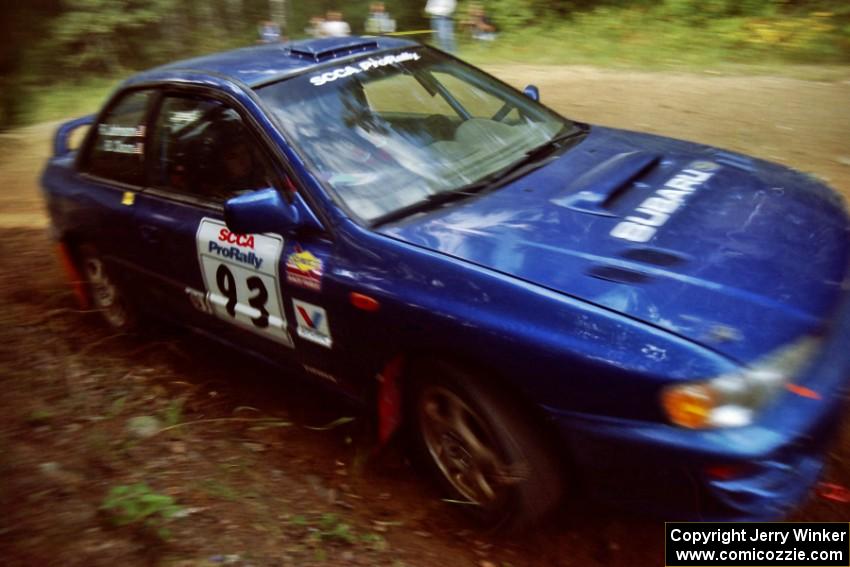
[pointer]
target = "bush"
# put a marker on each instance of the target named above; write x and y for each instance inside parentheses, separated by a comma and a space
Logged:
(139, 505)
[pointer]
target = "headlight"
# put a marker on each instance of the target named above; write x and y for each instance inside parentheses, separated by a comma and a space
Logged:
(731, 400)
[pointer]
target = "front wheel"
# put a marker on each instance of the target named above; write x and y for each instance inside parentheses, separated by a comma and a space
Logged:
(484, 449)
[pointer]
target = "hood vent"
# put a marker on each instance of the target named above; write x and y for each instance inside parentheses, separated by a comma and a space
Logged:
(597, 188)
(654, 256)
(737, 161)
(618, 275)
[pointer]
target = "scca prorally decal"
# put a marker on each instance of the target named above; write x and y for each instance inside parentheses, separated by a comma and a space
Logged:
(657, 209)
(243, 251)
(362, 66)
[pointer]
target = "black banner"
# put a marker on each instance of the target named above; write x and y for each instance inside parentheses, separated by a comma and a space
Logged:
(765, 544)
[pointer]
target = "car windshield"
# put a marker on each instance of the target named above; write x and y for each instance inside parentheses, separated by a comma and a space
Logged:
(388, 132)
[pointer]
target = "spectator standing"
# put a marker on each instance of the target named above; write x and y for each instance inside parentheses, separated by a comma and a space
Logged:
(269, 32)
(442, 24)
(314, 29)
(334, 25)
(481, 26)
(379, 21)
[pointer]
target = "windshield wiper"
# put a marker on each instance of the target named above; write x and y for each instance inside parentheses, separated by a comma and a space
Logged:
(432, 202)
(569, 132)
(533, 158)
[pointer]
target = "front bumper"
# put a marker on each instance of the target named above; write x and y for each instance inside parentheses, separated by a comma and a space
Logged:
(758, 472)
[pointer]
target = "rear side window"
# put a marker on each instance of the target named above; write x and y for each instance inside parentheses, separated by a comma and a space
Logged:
(117, 150)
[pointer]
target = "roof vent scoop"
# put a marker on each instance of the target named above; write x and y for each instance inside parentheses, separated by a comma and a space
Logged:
(326, 51)
(593, 191)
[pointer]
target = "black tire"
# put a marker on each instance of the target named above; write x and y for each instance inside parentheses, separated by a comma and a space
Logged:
(105, 291)
(486, 451)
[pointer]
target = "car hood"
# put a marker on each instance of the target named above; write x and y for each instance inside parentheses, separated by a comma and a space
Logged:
(734, 253)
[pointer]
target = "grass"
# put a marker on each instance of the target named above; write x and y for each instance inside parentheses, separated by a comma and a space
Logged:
(331, 529)
(633, 39)
(673, 49)
(67, 100)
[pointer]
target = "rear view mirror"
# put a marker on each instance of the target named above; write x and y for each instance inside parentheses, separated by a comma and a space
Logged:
(532, 92)
(265, 210)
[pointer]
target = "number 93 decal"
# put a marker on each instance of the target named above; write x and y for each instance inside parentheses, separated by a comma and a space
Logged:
(240, 276)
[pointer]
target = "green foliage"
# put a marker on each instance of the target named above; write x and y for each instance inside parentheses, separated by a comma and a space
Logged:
(376, 542)
(510, 15)
(173, 412)
(220, 490)
(40, 416)
(139, 505)
(49, 102)
(93, 35)
(331, 528)
(679, 33)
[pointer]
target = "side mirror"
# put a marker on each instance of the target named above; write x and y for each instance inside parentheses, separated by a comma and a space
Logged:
(532, 92)
(266, 211)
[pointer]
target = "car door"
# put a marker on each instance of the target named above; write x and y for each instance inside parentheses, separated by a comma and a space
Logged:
(110, 176)
(236, 286)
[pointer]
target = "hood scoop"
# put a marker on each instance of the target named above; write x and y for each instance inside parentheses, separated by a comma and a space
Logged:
(594, 191)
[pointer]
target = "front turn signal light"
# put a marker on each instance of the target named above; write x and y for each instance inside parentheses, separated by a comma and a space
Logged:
(689, 405)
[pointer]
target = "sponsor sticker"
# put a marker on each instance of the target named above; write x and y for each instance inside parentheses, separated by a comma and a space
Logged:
(121, 131)
(312, 323)
(114, 138)
(304, 269)
(119, 147)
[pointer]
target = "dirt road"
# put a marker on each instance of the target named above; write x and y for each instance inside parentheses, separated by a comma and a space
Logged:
(264, 469)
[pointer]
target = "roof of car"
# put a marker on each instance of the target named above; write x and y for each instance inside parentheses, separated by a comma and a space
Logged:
(259, 64)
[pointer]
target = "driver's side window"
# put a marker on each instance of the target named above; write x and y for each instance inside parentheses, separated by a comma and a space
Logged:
(202, 149)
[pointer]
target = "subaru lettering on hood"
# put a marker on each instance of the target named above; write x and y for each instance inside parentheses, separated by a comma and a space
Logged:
(656, 210)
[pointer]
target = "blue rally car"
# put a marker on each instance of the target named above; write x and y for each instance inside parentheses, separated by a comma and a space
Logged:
(548, 308)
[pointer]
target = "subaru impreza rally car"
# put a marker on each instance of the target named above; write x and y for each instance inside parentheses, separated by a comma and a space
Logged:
(548, 308)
